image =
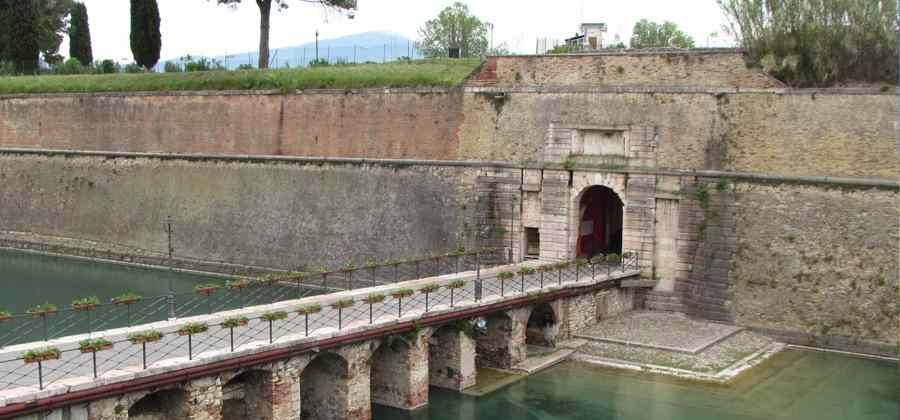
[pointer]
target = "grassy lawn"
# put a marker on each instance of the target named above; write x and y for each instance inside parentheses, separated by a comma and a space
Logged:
(439, 73)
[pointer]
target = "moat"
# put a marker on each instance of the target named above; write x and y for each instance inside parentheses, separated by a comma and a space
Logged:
(796, 385)
(792, 385)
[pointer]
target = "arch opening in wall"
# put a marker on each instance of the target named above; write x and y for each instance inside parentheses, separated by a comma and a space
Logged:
(248, 396)
(600, 216)
(542, 327)
(324, 388)
(168, 404)
(387, 366)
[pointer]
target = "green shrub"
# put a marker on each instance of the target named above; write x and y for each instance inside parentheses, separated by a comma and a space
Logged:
(86, 302)
(193, 328)
(310, 309)
(71, 66)
(526, 270)
(319, 62)
(343, 303)
(46, 353)
(235, 321)
(456, 284)
(274, 316)
(172, 67)
(45, 308)
(431, 288)
(94, 344)
(375, 298)
(246, 67)
(192, 64)
(126, 298)
(133, 68)
(613, 258)
(148, 336)
(505, 275)
(106, 67)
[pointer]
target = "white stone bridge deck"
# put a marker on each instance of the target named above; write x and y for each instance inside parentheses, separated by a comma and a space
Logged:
(79, 377)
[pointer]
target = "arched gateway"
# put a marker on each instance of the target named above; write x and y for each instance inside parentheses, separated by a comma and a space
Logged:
(599, 222)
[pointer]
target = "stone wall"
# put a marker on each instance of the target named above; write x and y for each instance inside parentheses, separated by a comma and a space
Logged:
(713, 67)
(412, 123)
(790, 133)
(821, 262)
(285, 216)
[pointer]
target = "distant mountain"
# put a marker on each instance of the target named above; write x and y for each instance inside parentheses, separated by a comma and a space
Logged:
(362, 47)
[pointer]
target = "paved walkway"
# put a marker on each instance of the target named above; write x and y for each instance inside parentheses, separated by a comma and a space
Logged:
(18, 380)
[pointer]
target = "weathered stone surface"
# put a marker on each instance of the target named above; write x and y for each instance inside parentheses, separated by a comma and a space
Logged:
(400, 371)
(451, 359)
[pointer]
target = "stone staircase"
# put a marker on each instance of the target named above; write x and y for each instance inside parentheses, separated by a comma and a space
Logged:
(664, 301)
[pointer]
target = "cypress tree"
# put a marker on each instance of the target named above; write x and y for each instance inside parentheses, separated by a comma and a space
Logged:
(146, 40)
(80, 36)
(19, 38)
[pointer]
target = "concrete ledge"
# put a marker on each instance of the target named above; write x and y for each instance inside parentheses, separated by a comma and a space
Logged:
(639, 283)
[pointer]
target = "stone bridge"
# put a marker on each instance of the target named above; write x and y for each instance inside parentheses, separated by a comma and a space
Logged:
(324, 357)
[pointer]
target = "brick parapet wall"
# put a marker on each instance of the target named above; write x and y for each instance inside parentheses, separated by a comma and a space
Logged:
(725, 68)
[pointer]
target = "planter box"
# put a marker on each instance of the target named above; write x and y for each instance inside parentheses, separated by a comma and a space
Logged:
(30, 360)
(207, 291)
(145, 340)
(125, 301)
(5, 318)
(94, 350)
(43, 313)
(82, 308)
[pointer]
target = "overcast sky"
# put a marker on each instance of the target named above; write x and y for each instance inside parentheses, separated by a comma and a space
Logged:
(201, 27)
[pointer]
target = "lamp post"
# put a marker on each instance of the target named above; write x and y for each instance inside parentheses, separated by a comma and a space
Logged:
(169, 226)
(317, 46)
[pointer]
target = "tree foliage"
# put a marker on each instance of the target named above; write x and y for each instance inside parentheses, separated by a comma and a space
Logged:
(80, 36)
(818, 42)
(265, 12)
(454, 27)
(19, 34)
(52, 24)
(648, 34)
(146, 40)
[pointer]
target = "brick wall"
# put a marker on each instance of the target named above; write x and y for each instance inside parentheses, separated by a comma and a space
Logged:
(720, 68)
(372, 123)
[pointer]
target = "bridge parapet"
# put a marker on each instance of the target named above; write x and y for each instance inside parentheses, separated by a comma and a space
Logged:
(206, 344)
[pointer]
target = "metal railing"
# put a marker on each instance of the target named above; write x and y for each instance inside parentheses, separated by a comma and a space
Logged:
(49, 324)
(44, 367)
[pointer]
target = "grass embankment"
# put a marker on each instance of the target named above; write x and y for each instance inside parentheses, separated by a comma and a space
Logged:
(437, 73)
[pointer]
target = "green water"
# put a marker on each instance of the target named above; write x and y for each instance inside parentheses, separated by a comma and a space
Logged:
(795, 385)
(29, 279)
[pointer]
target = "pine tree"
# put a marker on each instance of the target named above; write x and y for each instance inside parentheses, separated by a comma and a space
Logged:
(146, 40)
(80, 36)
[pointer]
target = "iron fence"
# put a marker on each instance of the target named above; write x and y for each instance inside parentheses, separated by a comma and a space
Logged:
(60, 322)
(49, 366)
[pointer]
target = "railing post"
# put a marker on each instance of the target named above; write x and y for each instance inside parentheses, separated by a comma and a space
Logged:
(231, 337)
(144, 354)
(40, 375)
(190, 347)
(171, 302)
(478, 284)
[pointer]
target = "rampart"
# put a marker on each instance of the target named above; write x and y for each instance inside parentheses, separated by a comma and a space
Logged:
(795, 232)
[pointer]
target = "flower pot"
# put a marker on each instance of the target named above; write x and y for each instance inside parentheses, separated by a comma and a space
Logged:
(4, 318)
(43, 313)
(184, 333)
(206, 291)
(86, 307)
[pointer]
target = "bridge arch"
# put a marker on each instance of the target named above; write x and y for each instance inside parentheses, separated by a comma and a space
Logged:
(502, 344)
(324, 387)
(542, 327)
(248, 395)
(164, 404)
(599, 221)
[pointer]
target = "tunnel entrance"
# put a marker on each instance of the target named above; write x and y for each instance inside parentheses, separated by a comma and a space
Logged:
(599, 222)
